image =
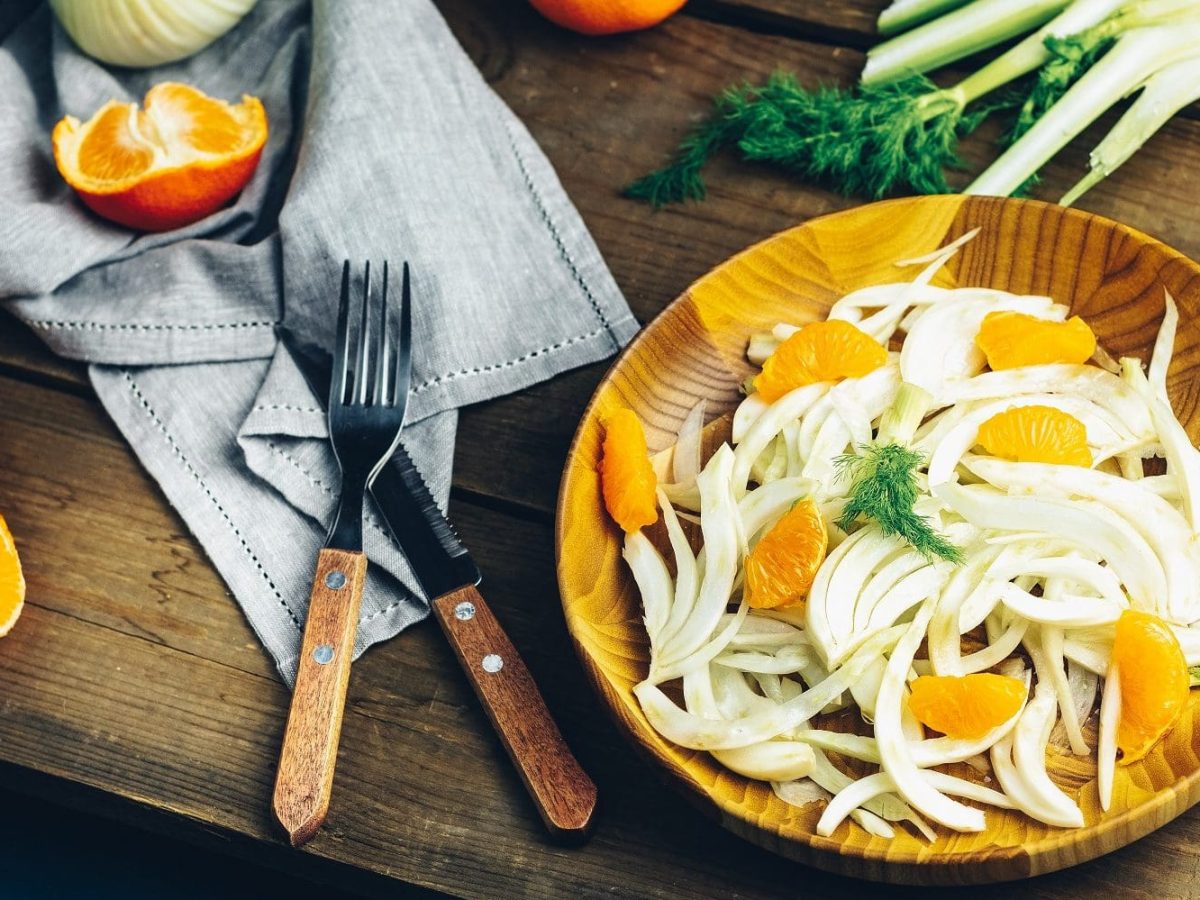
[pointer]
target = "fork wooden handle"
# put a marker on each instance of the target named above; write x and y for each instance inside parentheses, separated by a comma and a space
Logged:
(563, 793)
(310, 741)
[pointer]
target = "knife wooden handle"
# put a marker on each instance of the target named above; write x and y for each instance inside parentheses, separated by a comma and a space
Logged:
(563, 793)
(310, 741)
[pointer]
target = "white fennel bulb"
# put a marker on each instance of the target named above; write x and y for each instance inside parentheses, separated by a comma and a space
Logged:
(142, 33)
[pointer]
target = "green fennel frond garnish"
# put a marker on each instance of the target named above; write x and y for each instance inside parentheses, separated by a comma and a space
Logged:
(870, 140)
(884, 490)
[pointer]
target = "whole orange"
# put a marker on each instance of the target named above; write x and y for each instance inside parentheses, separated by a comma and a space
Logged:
(606, 16)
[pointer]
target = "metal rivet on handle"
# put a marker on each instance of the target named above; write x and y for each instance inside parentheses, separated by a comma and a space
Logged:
(323, 654)
(335, 581)
(492, 663)
(464, 611)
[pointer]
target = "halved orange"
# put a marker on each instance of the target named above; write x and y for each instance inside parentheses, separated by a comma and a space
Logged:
(1011, 339)
(12, 581)
(180, 158)
(626, 476)
(965, 706)
(820, 351)
(1036, 433)
(781, 567)
(1154, 681)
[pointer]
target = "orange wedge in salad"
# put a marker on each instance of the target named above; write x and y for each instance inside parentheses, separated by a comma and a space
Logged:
(626, 476)
(1012, 339)
(965, 706)
(1036, 433)
(1154, 681)
(820, 351)
(781, 567)
(180, 157)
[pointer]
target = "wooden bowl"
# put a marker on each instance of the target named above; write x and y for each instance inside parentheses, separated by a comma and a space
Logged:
(1111, 275)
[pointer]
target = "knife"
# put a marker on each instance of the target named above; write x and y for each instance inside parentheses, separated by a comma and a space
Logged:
(563, 793)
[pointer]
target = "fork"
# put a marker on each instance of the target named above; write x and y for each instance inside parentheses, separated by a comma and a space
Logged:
(367, 400)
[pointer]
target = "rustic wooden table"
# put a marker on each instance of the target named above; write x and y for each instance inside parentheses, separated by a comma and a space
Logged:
(133, 687)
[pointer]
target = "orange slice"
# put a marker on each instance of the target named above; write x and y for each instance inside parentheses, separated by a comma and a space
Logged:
(626, 476)
(1040, 434)
(781, 567)
(1012, 339)
(820, 351)
(1154, 681)
(12, 581)
(180, 158)
(965, 706)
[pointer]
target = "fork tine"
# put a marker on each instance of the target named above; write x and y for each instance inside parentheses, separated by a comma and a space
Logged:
(341, 347)
(361, 384)
(383, 368)
(403, 376)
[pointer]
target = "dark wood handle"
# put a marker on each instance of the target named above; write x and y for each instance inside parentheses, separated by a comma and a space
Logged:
(310, 742)
(563, 793)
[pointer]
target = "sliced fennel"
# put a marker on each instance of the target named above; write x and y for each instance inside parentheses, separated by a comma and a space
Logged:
(1048, 557)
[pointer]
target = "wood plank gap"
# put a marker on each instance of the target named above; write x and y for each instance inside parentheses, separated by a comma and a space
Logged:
(775, 24)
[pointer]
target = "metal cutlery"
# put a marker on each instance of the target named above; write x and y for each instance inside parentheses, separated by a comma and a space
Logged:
(367, 397)
(563, 793)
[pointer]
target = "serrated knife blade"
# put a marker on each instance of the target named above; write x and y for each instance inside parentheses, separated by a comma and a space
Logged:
(436, 555)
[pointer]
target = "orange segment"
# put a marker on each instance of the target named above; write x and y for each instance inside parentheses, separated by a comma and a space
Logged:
(965, 706)
(781, 567)
(626, 476)
(172, 163)
(1040, 434)
(1154, 681)
(1012, 339)
(12, 581)
(820, 351)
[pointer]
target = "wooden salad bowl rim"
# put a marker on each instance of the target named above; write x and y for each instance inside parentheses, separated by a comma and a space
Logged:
(1110, 274)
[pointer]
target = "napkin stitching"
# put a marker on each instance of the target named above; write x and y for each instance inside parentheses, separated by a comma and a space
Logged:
(264, 407)
(374, 523)
(175, 449)
(481, 370)
(553, 229)
(138, 326)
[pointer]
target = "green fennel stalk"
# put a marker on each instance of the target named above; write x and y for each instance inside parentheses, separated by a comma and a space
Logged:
(967, 30)
(905, 14)
(1136, 56)
(1167, 92)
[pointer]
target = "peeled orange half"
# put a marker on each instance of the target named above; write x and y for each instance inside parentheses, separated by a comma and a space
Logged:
(180, 157)
(12, 581)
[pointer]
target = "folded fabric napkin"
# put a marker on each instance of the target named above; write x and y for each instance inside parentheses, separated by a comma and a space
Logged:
(385, 142)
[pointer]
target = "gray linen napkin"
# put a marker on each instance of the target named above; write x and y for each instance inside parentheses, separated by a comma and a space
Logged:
(385, 143)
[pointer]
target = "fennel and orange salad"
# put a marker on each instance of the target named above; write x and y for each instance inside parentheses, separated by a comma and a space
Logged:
(945, 512)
